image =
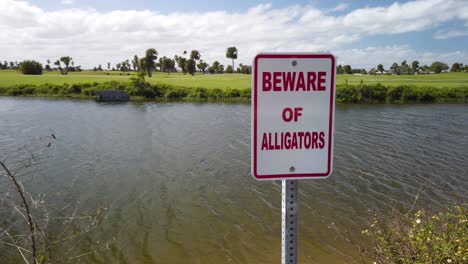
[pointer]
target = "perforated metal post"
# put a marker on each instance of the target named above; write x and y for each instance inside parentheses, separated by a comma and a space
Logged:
(289, 222)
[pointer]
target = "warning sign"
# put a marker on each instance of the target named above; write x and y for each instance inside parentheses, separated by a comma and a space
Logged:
(293, 99)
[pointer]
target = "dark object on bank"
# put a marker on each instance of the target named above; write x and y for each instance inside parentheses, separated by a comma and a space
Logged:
(112, 95)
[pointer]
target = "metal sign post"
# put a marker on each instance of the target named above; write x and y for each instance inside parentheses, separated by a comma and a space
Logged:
(293, 105)
(289, 222)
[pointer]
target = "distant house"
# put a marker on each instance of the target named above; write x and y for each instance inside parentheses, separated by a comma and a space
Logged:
(426, 72)
(112, 95)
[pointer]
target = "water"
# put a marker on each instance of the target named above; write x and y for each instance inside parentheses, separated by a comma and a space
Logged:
(176, 176)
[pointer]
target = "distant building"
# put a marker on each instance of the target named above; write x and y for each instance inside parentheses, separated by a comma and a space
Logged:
(426, 72)
(112, 95)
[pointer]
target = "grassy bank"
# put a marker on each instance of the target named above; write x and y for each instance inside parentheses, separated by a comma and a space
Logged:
(224, 87)
(225, 81)
(378, 93)
(152, 92)
(360, 93)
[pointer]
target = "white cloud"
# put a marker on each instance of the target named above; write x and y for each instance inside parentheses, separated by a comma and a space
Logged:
(407, 17)
(340, 7)
(370, 57)
(67, 2)
(92, 37)
(446, 34)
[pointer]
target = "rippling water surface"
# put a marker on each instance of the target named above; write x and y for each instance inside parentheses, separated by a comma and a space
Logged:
(176, 176)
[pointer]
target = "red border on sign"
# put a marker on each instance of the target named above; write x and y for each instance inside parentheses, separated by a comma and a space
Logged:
(330, 124)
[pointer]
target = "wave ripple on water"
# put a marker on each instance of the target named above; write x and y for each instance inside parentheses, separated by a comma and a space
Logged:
(177, 175)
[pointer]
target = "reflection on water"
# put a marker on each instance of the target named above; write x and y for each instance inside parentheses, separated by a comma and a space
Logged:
(176, 175)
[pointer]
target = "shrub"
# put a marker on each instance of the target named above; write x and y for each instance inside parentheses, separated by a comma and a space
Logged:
(395, 93)
(30, 67)
(421, 237)
(175, 93)
(131, 90)
(375, 93)
(89, 91)
(232, 93)
(76, 88)
(43, 89)
(246, 93)
(426, 94)
(348, 94)
(198, 93)
(15, 91)
(408, 94)
(216, 93)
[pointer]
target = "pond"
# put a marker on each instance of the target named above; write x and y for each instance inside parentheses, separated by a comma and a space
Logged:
(176, 180)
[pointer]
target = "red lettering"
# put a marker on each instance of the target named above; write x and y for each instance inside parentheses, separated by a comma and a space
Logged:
(321, 81)
(294, 141)
(277, 146)
(287, 114)
(307, 140)
(322, 139)
(266, 81)
(300, 135)
(287, 140)
(311, 81)
(277, 81)
(297, 113)
(294, 81)
(314, 140)
(264, 142)
(288, 80)
(270, 146)
(300, 82)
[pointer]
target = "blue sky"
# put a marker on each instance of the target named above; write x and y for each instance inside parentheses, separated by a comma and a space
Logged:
(168, 6)
(360, 33)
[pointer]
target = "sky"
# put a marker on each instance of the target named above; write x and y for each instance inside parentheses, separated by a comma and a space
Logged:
(360, 33)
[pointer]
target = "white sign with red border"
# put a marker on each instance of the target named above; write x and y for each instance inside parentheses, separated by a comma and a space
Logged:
(293, 106)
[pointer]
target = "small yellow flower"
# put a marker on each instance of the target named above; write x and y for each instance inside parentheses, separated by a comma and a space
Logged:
(418, 221)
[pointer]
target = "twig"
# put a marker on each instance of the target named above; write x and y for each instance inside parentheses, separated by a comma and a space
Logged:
(26, 206)
(17, 247)
(416, 197)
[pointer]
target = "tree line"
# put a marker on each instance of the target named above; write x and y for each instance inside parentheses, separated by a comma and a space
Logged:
(404, 68)
(65, 65)
(190, 63)
(187, 63)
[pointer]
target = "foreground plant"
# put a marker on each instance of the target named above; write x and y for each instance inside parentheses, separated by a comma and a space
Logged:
(31, 230)
(421, 237)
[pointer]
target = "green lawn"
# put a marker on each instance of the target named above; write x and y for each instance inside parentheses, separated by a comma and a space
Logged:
(240, 81)
(453, 79)
(11, 77)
